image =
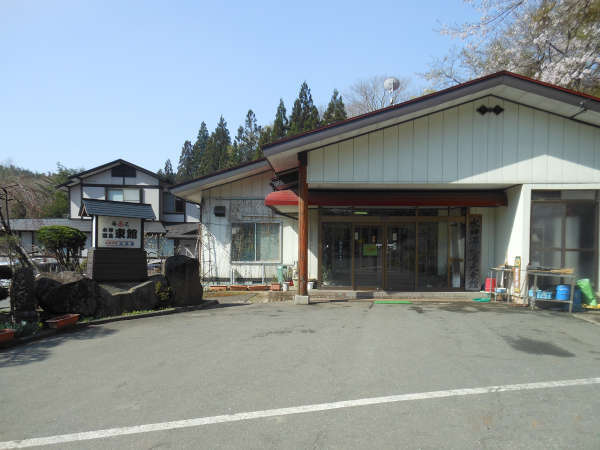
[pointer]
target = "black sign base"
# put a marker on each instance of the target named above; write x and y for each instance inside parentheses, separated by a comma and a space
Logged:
(117, 264)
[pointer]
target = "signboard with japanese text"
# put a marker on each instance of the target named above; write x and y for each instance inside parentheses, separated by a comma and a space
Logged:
(119, 232)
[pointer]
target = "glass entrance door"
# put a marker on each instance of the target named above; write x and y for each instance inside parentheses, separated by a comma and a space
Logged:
(368, 256)
(400, 258)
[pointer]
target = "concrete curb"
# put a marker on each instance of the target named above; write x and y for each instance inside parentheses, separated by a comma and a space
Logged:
(45, 333)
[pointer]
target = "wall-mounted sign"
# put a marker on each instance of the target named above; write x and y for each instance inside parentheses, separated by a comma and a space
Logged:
(119, 232)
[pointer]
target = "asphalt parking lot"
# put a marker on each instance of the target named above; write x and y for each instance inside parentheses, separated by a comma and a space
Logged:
(271, 360)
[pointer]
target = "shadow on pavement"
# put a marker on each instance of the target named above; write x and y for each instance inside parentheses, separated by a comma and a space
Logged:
(40, 350)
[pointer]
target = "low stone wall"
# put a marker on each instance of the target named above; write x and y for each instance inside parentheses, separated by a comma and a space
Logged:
(71, 292)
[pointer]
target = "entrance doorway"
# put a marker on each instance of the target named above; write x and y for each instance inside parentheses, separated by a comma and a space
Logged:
(394, 253)
(368, 256)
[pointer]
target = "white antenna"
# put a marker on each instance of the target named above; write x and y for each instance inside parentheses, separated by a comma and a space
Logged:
(391, 84)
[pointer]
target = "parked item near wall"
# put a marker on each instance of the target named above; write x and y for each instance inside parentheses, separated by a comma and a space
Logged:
(6, 334)
(63, 321)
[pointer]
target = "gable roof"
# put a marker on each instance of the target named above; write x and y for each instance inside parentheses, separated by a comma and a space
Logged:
(90, 207)
(75, 179)
(220, 177)
(507, 85)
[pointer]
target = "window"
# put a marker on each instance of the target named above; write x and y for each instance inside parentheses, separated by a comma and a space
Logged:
(123, 171)
(253, 242)
(172, 204)
(179, 205)
(123, 195)
(563, 230)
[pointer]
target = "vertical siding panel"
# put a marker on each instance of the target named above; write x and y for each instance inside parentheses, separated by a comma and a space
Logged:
(390, 154)
(436, 157)
(556, 143)
(465, 141)
(330, 163)
(570, 152)
(480, 130)
(405, 152)
(525, 132)
(450, 145)
(586, 151)
(346, 160)
(420, 150)
(361, 158)
(597, 159)
(510, 143)
(376, 156)
(494, 148)
(540, 146)
(315, 166)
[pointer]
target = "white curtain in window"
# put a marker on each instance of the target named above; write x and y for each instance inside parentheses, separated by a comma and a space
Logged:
(131, 195)
(115, 195)
(267, 241)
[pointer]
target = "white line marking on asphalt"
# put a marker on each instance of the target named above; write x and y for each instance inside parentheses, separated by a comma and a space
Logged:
(187, 423)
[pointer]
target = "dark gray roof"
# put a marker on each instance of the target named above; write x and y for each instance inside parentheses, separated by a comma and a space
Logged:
(154, 227)
(182, 231)
(90, 207)
(36, 224)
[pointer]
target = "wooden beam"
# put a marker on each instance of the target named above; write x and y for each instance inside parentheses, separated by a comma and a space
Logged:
(302, 225)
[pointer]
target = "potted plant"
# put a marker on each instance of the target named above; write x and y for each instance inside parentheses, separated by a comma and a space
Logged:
(258, 287)
(62, 321)
(6, 334)
(238, 287)
(220, 287)
(275, 284)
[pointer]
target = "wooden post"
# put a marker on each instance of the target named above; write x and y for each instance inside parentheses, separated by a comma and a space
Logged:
(302, 225)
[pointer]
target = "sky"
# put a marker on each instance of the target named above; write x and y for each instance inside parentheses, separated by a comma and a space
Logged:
(86, 82)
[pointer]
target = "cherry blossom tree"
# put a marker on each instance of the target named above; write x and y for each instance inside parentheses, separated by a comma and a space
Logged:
(556, 41)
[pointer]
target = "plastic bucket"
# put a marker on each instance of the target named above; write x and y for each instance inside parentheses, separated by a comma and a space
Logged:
(490, 284)
(563, 292)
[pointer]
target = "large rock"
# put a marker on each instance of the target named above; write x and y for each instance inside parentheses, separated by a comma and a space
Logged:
(117, 298)
(71, 292)
(67, 292)
(22, 295)
(183, 275)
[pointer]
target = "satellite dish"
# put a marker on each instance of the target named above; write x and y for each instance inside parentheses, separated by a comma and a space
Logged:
(391, 84)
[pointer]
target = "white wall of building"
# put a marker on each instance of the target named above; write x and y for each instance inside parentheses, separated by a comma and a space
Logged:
(244, 202)
(75, 202)
(152, 196)
(459, 145)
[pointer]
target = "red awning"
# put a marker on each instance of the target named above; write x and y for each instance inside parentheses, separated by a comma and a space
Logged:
(390, 198)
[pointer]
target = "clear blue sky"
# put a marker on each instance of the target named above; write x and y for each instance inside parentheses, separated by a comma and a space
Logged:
(86, 82)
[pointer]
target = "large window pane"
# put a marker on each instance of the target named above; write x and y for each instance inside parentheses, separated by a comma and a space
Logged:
(546, 258)
(131, 195)
(457, 254)
(336, 253)
(580, 225)
(432, 244)
(267, 241)
(242, 242)
(546, 225)
(582, 263)
(115, 195)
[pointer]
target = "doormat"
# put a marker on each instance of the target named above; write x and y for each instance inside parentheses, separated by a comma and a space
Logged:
(482, 300)
(392, 302)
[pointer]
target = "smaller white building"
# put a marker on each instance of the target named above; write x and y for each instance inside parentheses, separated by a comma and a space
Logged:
(174, 230)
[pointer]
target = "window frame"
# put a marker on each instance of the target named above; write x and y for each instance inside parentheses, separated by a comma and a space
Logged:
(255, 261)
(108, 189)
(563, 249)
